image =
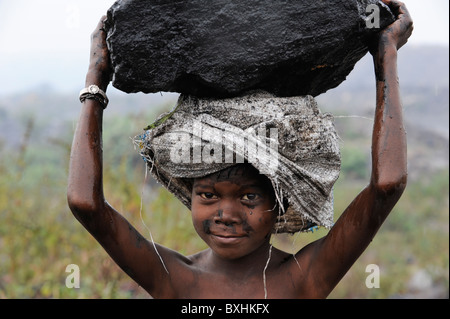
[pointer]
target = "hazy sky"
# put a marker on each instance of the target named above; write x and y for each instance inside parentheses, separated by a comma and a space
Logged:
(45, 41)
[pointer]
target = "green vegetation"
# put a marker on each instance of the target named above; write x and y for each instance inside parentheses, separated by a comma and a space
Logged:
(39, 236)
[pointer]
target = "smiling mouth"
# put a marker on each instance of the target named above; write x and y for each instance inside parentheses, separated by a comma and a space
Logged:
(227, 238)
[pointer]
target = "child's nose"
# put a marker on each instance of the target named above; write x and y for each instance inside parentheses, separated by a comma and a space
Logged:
(230, 214)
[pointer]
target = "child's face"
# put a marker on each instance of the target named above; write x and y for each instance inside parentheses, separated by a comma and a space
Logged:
(233, 214)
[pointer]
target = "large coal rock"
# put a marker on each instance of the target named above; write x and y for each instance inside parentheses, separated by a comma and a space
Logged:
(221, 48)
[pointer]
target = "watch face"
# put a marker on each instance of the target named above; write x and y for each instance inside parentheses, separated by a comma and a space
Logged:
(93, 89)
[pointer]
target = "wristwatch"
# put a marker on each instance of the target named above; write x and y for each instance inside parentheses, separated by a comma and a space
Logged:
(94, 92)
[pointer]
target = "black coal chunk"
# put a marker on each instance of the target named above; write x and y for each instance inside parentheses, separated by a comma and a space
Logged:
(222, 48)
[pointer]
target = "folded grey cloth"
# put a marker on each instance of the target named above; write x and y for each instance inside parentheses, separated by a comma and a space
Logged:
(287, 139)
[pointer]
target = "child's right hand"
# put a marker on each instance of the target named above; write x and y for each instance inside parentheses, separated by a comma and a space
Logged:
(100, 71)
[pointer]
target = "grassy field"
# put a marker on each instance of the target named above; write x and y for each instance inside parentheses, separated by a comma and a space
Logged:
(39, 237)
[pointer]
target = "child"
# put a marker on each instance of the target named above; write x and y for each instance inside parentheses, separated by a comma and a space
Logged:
(234, 211)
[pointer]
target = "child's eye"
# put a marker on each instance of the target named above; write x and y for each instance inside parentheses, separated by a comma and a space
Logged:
(207, 195)
(250, 197)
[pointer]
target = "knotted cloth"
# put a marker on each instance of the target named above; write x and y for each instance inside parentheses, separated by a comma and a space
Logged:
(286, 138)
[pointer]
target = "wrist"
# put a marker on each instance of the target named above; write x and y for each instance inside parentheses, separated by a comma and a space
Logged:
(93, 92)
(386, 47)
(385, 58)
(97, 78)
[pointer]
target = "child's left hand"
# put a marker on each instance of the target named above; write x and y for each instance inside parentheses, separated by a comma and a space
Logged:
(397, 33)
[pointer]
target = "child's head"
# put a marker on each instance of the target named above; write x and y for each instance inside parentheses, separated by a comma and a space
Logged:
(299, 152)
(234, 210)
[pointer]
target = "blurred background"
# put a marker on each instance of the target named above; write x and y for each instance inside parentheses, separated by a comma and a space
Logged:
(44, 50)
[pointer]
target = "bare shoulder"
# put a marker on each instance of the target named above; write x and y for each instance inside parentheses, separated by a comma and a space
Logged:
(298, 272)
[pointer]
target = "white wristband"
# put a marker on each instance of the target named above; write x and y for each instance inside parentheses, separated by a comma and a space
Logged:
(94, 92)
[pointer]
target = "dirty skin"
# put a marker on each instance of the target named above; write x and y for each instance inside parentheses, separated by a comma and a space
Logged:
(245, 225)
(207, 226)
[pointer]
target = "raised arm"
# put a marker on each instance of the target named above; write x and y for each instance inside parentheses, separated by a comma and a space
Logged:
(328, 259)
(133, 253)
(85, 187)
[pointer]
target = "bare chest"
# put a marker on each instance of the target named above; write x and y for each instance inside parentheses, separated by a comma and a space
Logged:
(259, 285)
